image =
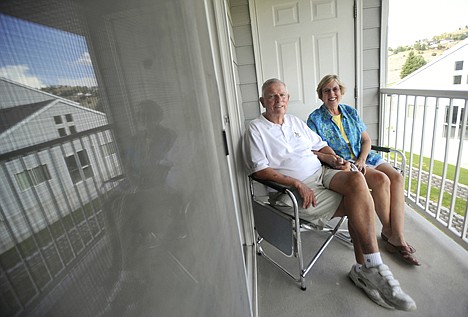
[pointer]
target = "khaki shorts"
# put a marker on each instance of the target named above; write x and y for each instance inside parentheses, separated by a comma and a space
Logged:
(327, 200)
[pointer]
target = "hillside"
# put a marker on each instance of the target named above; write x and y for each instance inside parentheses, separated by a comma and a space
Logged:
(435, 47)
(87, 96)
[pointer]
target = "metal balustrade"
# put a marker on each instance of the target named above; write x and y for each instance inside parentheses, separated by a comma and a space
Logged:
(49, 224)
(430, 127)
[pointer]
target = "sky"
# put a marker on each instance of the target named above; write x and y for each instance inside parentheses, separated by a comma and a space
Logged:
(40, 56)
(412, 20)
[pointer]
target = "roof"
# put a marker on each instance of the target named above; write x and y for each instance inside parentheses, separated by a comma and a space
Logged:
(9, 117)
(27, 102)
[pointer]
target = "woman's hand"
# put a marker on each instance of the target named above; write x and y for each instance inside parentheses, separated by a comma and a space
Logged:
(361, 165)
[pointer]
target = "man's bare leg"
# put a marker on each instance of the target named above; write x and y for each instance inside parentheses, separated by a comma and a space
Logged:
(357, 204)
(374, 277)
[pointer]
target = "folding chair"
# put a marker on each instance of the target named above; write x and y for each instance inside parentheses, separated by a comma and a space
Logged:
(384, 149)
(283, 231)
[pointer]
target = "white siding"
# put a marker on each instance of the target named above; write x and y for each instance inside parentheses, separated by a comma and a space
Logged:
(245, 58)
(40, 126)
(371, 66)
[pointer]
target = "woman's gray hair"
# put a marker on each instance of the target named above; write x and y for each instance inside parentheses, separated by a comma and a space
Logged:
(326, 80)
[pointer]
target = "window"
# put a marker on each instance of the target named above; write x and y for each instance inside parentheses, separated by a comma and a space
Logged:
(41, 174)
(23, 181)
(84, 161)
(62, 132)
(455, 122)
(457, 80)
(79, 166)
(58, 119)
(108, 148)
(63, 124)
(73, 168)
(32, 177)
(459, 65)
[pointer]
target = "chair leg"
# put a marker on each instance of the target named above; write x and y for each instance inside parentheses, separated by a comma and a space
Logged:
(258, 247)
(324, 246)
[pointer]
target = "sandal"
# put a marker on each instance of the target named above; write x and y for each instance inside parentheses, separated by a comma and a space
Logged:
(404, 252)
(411, 248)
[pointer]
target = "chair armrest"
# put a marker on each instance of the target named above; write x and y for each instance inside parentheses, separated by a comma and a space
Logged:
(388, 150)
(381, 148)
(274, 185)
(397, 152)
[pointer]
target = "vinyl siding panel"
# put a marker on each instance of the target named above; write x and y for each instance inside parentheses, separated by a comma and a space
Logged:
(247, 83)
(371, 66)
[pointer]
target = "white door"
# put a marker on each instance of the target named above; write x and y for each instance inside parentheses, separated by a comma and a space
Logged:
(301, 41)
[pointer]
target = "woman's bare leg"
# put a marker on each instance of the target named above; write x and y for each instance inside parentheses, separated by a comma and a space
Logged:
(397, 205)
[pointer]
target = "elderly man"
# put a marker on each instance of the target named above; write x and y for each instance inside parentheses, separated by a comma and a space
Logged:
(280, 147)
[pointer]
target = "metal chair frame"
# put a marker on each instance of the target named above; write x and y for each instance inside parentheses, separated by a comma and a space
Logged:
(283, 231)
(388, 150)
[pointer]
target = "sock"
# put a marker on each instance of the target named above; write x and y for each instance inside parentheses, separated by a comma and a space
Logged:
(372, 259)
(358, 267)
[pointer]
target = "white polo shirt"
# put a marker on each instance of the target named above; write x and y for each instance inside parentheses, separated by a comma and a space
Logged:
(286, 148)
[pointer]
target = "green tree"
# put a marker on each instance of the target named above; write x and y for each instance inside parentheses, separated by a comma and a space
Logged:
(401, 49)
(412, 63)
(420, 46)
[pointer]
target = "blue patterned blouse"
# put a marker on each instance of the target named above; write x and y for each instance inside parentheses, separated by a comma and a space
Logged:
(320, 121)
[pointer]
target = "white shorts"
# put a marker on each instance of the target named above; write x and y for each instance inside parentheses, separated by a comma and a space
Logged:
(327, 200)
(381, 161)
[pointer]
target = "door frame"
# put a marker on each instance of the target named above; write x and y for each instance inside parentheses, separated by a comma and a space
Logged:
(233, 125)
(233, 118)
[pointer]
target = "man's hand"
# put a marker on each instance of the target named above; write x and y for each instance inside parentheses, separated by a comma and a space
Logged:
(327, 156)
(307, 195)
(333, 160)
(339, 163)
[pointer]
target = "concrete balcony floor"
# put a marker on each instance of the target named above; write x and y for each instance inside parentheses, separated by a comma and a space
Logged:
(439, 286)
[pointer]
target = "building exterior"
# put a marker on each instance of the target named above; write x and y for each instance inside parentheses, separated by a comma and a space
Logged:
(41, 151)
(448, 72)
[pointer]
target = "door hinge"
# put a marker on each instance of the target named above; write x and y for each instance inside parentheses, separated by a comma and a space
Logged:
(355, 10)
(226, 149)
(226, 119)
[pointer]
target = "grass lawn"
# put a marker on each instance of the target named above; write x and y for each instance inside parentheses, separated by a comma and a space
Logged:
(460, 204)
(438, 167)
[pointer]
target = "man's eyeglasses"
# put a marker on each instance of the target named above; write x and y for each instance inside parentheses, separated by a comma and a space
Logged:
(281, 96)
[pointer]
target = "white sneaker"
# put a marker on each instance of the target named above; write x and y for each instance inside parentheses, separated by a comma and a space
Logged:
(380, 285)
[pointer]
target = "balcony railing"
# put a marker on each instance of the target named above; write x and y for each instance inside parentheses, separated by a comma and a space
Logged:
(51, 215)
(430, 127)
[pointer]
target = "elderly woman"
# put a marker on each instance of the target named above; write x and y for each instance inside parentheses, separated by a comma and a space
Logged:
(342, 128)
